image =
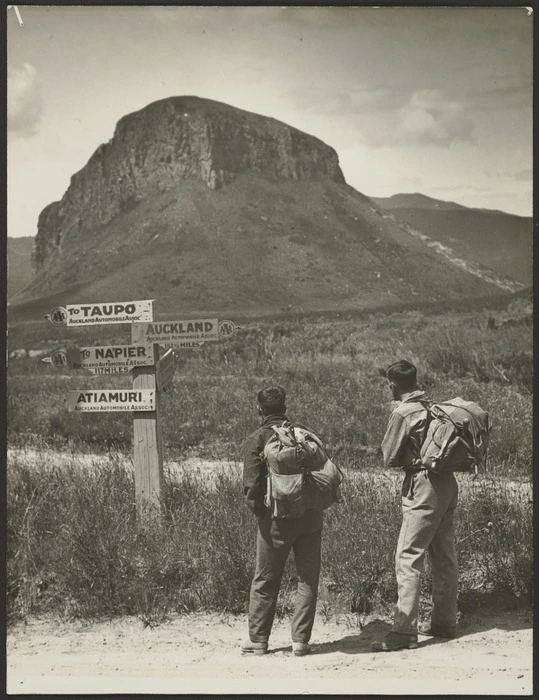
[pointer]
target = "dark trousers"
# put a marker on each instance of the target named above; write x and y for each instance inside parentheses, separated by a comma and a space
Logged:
(275, 539)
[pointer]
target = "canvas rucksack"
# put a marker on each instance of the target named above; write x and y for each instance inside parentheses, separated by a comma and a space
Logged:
(456, 438)
(300, 474)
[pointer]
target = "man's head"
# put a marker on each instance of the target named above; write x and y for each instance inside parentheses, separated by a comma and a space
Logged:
(402, 377)
(271, 401)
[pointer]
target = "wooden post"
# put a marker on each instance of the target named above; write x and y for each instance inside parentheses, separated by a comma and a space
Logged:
(147, 445)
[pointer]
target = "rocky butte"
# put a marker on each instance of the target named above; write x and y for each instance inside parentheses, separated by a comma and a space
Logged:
(207, 208)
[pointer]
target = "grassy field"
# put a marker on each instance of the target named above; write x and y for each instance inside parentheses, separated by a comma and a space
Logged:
(75, 548)
(330, 371)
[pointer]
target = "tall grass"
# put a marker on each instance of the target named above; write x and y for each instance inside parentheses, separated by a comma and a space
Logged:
(331, 374)
(76, 549)
(75, 546)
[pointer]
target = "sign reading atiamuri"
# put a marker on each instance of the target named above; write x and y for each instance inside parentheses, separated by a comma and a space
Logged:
(93, 314)
(112, 400)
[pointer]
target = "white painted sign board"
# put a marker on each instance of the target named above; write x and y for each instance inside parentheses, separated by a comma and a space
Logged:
(100, 356)
(121, 358)
(103, 312)
(182, 333)
(112, 400)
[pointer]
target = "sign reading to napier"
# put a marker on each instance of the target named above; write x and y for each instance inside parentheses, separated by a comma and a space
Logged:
(112, 400)
(94, 357)
(179, 333)
(92, 314)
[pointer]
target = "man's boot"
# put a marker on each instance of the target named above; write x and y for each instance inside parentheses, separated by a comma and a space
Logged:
(394, 641)
(430, 630)
(254, 648)
(300, 648)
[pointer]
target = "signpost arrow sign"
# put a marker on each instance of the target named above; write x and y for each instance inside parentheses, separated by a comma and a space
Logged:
(103, 357)
(97, 356)
(182, 334)
(112, 400)
(93, 314)
(58, 316)
(58, 359)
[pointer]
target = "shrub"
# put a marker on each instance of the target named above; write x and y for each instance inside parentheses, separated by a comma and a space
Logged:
(76, 548)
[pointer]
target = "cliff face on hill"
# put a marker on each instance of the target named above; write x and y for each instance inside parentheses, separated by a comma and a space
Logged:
(171, 140)
(208, 208)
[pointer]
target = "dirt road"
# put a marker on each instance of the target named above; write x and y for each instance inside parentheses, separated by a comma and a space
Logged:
(200, 654)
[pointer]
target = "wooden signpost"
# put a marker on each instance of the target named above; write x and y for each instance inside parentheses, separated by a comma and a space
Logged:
(152, 367)
(148, 444)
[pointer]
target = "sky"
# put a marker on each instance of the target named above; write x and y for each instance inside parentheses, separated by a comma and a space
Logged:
(432, 100)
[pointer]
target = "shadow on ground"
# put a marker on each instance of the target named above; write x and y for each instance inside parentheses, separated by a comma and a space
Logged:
(360, 643)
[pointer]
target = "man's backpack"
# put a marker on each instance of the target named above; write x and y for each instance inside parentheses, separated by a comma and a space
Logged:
(456, 438)
(300, 474)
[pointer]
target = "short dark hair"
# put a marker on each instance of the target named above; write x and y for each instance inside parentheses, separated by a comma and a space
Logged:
(272, 400)
(403, 374)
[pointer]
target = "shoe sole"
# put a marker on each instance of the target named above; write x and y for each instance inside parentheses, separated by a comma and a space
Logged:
(412, 645)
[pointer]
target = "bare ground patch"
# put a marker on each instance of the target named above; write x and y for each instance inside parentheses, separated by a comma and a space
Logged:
(200, 653)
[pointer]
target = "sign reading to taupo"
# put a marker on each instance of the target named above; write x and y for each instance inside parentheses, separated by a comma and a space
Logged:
(179, 333)
(93, 314)
(112, 400)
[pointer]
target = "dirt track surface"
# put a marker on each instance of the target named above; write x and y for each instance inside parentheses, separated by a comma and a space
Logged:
(200, 654)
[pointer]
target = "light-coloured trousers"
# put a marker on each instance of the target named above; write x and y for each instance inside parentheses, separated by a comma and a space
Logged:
(428, 508)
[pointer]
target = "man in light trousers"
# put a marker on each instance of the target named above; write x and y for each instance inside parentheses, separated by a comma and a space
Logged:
(428, 507)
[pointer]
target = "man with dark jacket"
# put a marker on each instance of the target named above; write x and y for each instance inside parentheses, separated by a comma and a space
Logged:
(275, 538)
(428, 507)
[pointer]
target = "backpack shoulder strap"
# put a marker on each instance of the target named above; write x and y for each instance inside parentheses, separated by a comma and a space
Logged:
(285, 434)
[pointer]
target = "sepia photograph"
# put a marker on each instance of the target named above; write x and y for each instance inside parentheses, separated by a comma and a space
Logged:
(303, 236)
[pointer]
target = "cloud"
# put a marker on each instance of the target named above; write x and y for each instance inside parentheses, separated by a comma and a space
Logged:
(504, 91)
(331, 101)
(24, 103)
(429, 118)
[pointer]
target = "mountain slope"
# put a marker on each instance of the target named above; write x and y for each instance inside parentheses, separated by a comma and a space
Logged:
(19, 263)
(502, 242)
(414, 200)
(207, 208)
